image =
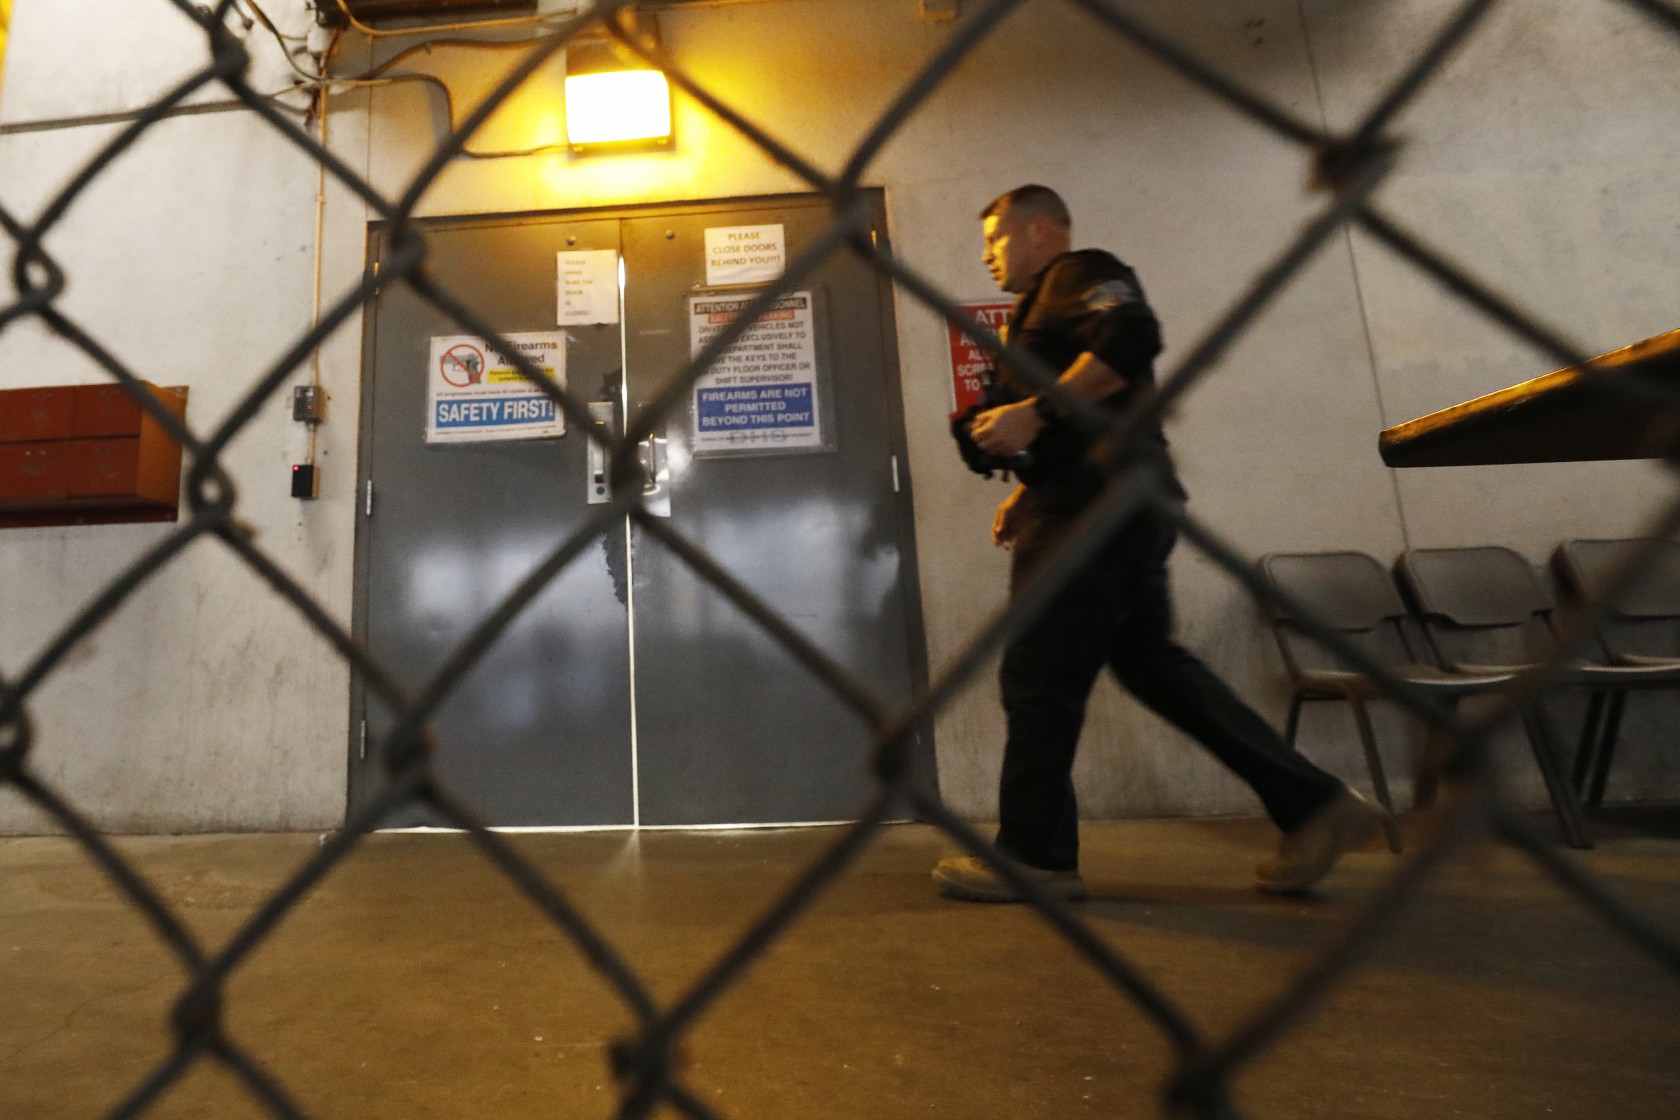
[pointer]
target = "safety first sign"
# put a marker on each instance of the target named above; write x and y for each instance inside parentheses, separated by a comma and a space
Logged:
(474, 394)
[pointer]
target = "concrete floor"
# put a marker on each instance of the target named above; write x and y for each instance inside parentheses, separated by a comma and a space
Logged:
(414, 984)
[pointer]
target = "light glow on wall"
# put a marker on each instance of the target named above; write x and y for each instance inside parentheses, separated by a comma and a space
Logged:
(5, 23)
(617, 107)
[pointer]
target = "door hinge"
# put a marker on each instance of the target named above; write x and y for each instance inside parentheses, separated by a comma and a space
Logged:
(361, 751)
(895, 473)
(367, 502)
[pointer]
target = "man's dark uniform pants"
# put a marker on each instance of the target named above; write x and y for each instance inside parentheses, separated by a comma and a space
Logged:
(1116, 611)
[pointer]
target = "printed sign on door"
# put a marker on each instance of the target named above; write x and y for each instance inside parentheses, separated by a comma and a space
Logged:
(762, 393)
(474, 394)
(745, 254)
(588, 287)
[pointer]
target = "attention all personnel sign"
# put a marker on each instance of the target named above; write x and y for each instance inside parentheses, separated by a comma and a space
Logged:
(474, 394)
(761, 395)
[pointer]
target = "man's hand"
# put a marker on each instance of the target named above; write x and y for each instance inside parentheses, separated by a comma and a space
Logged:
(1006, 523)
(1007, 430)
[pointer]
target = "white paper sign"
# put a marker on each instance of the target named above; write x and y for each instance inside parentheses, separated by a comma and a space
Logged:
(761, 394)
(588, 287)
(745, 254)
(474, 394)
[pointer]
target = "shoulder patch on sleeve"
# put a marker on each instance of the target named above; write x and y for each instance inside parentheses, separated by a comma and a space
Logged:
(1109, 294)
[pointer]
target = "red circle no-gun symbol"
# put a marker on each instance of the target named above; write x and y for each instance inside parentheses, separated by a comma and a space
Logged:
(462, 365)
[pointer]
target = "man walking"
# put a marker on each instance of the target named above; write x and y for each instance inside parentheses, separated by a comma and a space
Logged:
(1084, 313)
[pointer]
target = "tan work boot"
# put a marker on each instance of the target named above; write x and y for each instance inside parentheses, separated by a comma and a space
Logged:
(1307, 854)
(972, 880)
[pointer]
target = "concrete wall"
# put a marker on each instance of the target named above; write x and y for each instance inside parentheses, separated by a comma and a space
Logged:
(1542, 158)
(204, 702)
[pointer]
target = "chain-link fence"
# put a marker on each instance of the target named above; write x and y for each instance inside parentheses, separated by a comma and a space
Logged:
(1348, 167)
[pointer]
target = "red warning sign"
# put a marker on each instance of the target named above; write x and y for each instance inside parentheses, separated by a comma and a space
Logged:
(968, 359)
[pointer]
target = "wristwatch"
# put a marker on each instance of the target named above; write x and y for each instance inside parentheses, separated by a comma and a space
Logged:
(1046, 409)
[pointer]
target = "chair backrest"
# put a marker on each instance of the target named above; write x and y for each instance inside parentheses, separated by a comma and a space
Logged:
(1483, 604)
(1487, 585)
(1589, 564)
(1348, 590)
(1643, 619)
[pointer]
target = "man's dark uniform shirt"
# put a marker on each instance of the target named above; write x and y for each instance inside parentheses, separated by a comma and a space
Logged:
(1085, 301)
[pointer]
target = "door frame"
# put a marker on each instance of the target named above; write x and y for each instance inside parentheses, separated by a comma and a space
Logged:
(360, 769)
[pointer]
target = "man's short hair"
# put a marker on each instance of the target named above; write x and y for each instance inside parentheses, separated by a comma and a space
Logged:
(1029, 202)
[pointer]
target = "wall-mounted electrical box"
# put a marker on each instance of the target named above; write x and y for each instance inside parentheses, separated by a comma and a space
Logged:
(306, 481)
(308, 403)
(87, 455)
(330, 14)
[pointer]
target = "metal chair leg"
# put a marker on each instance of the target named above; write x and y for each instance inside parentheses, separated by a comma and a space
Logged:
(1293, 725)
(1586, 751)
(1431, 761)
(1563, 796)
(1606, 749)
(1379, 782)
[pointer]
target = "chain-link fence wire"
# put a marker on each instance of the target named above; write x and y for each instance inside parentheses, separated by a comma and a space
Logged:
(1348, 167)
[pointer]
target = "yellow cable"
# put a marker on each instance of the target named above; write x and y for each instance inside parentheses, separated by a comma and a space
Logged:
(428, 29)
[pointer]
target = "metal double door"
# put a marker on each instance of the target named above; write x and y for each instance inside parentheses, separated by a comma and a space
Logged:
(630, 691)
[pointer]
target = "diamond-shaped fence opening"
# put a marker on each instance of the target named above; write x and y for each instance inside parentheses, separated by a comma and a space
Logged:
(1347, 168)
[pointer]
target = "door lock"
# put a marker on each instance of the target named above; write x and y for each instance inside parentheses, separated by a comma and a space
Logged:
(598, 486)
(650, 457)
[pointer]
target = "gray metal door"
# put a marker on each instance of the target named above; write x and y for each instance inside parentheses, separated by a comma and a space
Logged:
(723, 728)
(539, 732)
(729, 727)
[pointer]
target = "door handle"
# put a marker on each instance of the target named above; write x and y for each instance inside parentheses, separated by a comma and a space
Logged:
(650, 455)
(650, 467)
(656, 476)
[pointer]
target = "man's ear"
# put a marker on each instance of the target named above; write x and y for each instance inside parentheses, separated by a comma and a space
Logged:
(1040, 229)
(1046, 232)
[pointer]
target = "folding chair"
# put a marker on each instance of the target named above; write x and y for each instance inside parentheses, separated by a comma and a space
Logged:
(1485, 611)
(1641, 628)
(1353, 594)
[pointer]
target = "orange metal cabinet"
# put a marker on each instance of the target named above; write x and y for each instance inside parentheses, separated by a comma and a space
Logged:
(87, 455)
(104, 468)
(34, 474)
(104, 410)
(38, 414)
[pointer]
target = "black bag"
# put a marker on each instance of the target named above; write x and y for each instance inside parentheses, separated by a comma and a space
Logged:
(983, 463)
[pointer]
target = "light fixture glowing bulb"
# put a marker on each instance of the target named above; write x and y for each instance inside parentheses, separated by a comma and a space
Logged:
(617, 106)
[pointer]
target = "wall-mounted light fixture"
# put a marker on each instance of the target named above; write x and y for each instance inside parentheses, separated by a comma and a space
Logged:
(615, 101)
